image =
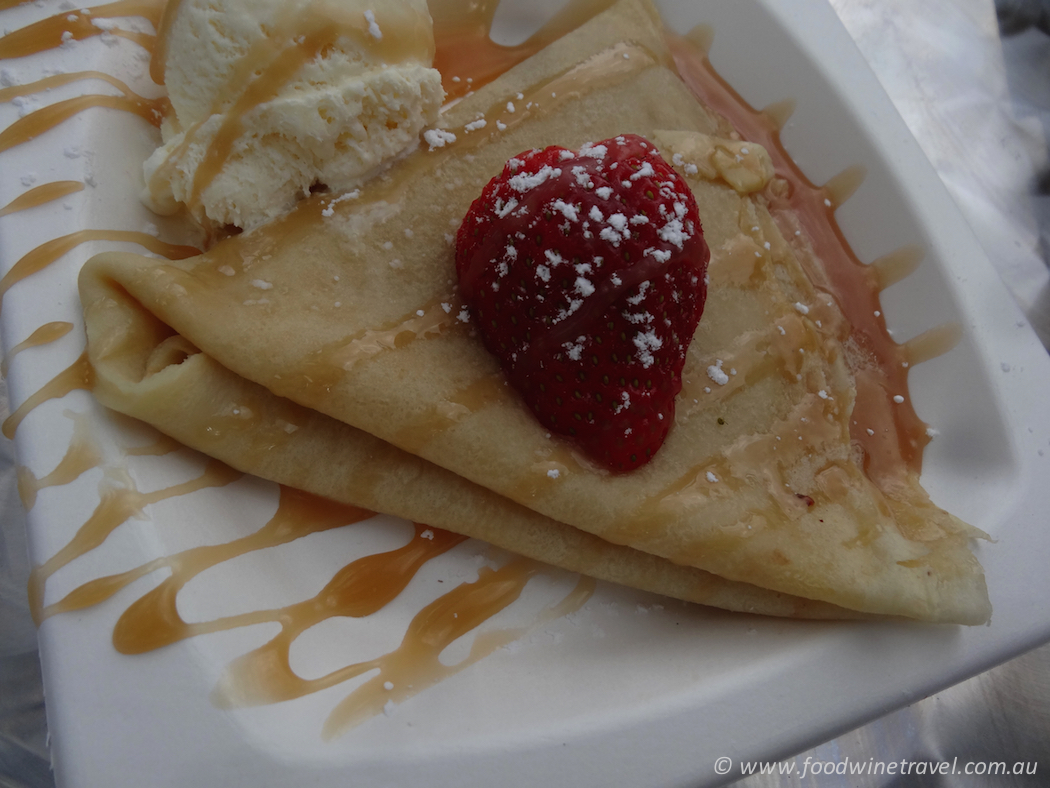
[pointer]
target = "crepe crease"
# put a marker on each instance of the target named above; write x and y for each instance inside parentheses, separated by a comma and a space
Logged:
(324, 351)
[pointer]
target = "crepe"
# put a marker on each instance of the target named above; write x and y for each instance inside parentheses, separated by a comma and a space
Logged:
(145, 371)
(347, 307)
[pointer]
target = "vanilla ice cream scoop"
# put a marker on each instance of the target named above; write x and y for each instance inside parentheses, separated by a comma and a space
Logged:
(272, 98)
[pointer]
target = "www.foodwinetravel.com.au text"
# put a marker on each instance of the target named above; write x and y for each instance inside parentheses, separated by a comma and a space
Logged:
(811, 766)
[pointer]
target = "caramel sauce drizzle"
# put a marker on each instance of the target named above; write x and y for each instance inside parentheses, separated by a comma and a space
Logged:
(78, 375)
(48, 252)
(48, 33)
(46, 118)
(896, 266)
(415, 664)
(41, 195)
(761, 456)
(116, 506)
(466, 51)
(160, 49)
(842, 186)
(559, 457)
(748, 361)
(855, 286)
(270, 65)
(361, 588)
(47, 333)
(321, 369)
(442, 415)
(265, 675)
(931, 344)
(82, 455)
(430, 320)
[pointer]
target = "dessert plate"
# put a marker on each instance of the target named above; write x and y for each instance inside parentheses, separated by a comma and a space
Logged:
(625, 689)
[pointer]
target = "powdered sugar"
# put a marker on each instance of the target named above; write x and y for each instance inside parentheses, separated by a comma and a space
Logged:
(716, 374)
(566, 209)
(527, 181)
(373, 28)
(646, 343)
(438, 138)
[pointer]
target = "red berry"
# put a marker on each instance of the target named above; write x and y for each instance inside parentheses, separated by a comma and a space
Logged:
(586, 276)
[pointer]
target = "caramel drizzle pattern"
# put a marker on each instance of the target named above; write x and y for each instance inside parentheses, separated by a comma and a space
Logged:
(160, 50)
(359, 589)
(46, 118)
(465, 48)
(82, 455)
(442, 415)
(78, 375)
(116, 506)
(47, 253)
(265, 675)
(41, 195)
(46, 334)
(430, 320)
(415, 664)
(761, 455)
(153, 620)
(47, 33)
(269, 66)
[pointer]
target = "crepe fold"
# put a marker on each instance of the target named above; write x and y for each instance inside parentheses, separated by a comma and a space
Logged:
(327, 351)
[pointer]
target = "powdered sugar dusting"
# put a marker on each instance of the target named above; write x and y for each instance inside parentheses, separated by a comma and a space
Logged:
(646, 343)
(716, 374)
(527, 181)
(438, 138)
(373, 28)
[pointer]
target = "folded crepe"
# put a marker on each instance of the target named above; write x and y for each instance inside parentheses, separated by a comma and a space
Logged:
(327, 351)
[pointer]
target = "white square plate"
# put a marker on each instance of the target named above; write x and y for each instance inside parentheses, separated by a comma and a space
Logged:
(630, 690)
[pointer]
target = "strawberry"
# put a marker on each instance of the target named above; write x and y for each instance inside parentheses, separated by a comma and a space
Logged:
(585, 273)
